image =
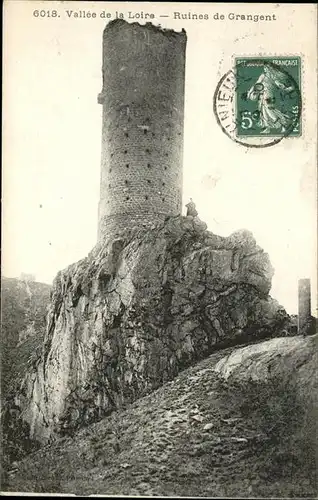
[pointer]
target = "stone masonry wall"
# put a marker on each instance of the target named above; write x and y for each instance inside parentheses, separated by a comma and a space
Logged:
(142, 137)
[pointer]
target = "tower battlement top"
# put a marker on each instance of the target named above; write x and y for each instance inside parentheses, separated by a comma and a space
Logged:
(118, 23)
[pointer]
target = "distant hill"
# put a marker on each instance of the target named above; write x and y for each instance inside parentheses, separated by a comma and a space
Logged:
(23, 320)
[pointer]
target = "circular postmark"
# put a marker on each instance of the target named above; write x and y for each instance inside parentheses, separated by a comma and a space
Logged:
(258, 103)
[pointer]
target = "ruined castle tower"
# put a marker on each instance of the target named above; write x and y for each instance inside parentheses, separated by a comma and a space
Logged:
(142, 131)
(304, 306)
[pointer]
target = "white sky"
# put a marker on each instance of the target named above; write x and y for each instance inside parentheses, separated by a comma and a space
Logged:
(52, 134)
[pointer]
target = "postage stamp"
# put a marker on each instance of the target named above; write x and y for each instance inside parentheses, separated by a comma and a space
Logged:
(258, 102)
(267, 96)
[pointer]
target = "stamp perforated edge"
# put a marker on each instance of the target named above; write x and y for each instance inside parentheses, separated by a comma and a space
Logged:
(301, 56)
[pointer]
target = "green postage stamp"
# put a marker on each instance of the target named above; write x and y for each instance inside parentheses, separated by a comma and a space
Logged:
(268, 96)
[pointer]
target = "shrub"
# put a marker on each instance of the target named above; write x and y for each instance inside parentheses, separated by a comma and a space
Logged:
(285, 420)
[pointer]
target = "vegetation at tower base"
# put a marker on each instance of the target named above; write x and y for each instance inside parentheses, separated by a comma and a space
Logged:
(137, 311)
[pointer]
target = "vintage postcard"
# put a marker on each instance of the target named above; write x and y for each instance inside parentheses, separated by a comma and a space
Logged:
(159, 249)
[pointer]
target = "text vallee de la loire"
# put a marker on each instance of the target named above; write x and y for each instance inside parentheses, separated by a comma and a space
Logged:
(82, 14)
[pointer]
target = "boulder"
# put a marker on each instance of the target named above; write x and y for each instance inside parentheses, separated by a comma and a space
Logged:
(287, 358)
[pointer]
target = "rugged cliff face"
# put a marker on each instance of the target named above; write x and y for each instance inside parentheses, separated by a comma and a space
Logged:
(138, 310)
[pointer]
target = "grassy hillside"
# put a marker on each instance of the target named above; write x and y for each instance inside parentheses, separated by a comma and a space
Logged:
(196, 436)
(23, 320)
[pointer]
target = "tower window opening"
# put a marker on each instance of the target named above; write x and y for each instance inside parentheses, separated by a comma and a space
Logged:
(165, 168)
(126, 182)
(145, 131)
(126, 134)
(148, 165)
(147, 150)
(127, 198)
(127, 165)
(149, 181)
(125, 152)
(146, 197)
(111, 155)
(163, 183)
(163, 199)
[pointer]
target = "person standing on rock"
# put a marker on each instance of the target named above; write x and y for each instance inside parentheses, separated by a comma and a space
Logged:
(191, 208)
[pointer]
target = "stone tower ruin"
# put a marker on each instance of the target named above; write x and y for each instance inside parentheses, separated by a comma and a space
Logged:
(142, 128)
(304, 306)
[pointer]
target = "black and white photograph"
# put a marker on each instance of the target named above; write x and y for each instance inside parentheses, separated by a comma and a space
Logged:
(159, 249)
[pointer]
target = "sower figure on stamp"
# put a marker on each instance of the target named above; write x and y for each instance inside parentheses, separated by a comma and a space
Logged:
(268, 84)
(191, 209)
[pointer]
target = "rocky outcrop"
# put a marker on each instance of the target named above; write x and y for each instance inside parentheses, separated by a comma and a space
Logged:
(288, 358)
(139, 309)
